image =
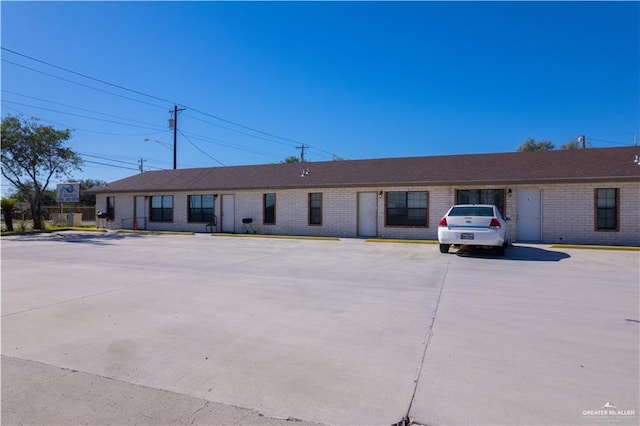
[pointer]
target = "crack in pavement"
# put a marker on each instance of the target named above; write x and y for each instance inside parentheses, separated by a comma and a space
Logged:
(406, 420)
(195, 413)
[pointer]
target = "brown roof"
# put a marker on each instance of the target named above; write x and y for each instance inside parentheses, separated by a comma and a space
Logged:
(595, 164)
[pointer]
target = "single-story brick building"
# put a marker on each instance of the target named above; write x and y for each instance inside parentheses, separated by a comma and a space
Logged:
(589, 196)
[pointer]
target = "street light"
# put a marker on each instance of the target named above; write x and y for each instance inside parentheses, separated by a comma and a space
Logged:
(165, 144)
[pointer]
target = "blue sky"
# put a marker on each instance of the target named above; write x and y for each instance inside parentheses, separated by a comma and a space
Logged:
(354, 79)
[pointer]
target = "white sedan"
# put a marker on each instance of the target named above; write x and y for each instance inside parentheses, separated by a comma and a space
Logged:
(479, 225)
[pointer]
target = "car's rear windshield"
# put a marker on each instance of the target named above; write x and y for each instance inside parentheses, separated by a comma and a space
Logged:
(471, 211)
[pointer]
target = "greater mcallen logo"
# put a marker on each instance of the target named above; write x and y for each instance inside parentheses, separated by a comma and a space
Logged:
(609, 412)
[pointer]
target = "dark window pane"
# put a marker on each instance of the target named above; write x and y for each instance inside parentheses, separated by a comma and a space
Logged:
(207, 201)
(315, 209)
(406, 208)
(482, 196)
(161, 208)
(607, 208)
(207, 215)
(472, 211)
(269, 208)
(201, 208)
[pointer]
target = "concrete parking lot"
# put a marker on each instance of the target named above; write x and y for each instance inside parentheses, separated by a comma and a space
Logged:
(198, 329)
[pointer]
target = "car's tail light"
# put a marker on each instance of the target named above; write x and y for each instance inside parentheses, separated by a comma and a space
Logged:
(443, 222)
(495, 223)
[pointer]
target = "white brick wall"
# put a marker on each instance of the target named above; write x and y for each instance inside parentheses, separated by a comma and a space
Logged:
(567, 212)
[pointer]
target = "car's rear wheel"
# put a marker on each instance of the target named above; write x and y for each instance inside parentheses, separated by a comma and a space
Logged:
(444, 248)
(501, 250)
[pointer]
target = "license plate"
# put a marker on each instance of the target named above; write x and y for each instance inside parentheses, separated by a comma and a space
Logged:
(466, 236)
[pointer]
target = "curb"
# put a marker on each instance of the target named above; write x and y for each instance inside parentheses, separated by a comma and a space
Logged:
(126, 231)
(580, 247)
(383, 240)
(277, 237)
(52, 230)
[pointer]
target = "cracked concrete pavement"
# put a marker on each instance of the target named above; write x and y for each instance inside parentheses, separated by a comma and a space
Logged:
(36, 393)
(131, 329)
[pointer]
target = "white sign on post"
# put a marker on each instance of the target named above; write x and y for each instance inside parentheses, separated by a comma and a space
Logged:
(68, 193)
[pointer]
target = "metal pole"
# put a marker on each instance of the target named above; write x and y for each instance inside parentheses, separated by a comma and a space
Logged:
(176, 110)
(175, 135)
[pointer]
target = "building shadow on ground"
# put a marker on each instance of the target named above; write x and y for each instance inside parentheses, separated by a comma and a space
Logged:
(93, 238)
(519, 253)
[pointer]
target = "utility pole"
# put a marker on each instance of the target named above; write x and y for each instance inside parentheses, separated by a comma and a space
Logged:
(302, 148)
(141, 161)
(174, 123)
(582, 139)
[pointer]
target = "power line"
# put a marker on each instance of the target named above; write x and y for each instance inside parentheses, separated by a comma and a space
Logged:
(142, 94)
(199, 149)
(81, 84)
(104, 158)
(237, 131)
(224, 143)
(87, 76)
(79, 115)
(330, 155)
(231, 145)
(131, 158)
(79, 129)
(112, 160)
(193, 135)
(124, 88)
(126, 97)
(609, 142)
(254, 130)
(111, 165)
(75, 107)
(327, 153)
(243, 126)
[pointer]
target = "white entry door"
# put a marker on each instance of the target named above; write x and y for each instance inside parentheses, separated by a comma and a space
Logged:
(140, 213)
(228, 213)
(529, 225)
(367, 214)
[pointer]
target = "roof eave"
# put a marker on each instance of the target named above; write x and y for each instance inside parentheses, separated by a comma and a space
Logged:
(546, 181)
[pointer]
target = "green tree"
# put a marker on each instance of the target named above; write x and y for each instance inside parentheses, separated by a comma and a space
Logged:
(89, 199)
(31, 155)
(22, 194)
(291, 159)
(7, 205)
(577, 143)
(531, 145)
